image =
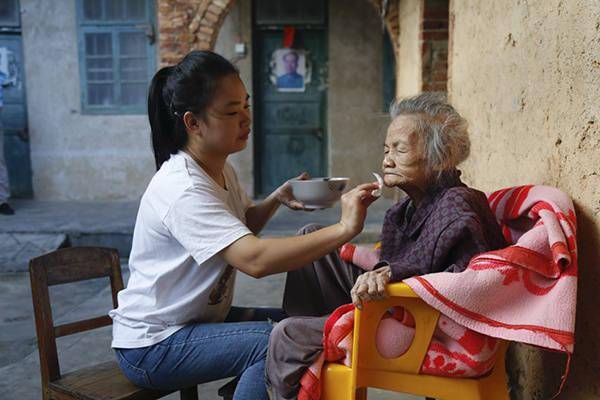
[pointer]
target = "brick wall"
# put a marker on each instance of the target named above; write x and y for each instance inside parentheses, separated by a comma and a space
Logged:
(186, 25)
(434, 45)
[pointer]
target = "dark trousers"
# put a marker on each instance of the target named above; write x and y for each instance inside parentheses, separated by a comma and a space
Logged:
(311, 294)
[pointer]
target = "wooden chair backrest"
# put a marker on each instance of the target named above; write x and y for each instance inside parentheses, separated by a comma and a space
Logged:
(66, 266)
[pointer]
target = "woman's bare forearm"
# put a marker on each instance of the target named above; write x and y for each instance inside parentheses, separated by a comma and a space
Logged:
(262, 257)
(258, 215)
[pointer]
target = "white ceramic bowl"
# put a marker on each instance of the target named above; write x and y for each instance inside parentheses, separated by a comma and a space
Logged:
(319, 193)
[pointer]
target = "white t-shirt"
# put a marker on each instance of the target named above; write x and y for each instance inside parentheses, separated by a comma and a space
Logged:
(177, 274)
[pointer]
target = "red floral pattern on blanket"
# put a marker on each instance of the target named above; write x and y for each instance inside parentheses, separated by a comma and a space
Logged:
(535, 278)
(526, 293)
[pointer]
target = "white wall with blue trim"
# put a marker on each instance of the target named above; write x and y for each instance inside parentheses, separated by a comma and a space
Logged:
(75, 155)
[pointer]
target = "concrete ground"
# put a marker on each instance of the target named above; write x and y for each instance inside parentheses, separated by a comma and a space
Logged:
(103, 223)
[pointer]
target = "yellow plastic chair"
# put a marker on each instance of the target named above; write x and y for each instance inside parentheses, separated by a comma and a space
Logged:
(370, 369)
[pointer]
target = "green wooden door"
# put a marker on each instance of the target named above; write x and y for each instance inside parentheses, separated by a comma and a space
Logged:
(14, 111)
(290, 120)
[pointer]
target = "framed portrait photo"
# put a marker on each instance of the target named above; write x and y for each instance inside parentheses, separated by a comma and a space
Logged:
(8, 66)
(289, 67)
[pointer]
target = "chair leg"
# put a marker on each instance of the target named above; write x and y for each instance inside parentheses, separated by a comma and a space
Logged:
(361, 394)
(228, 390)
(190, 393)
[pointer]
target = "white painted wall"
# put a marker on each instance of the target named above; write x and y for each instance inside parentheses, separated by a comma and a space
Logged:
(75, 156)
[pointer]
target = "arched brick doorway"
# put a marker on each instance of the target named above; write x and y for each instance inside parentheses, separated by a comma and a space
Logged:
(187, 25)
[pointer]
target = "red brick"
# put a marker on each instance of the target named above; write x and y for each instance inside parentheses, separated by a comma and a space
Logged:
(435, 24)
(165, 8)
(202, 8)
(435, 15)
(438, 87)
(203, 37)
(186, 37)
(439, 76)
(221, 4)
(436, 8)
(440, 56)
(169, 30)
(215, 9)
(426, 50)
(439, 66)
(207, 29)
(434, 35)
(204, 45)
(211, 17)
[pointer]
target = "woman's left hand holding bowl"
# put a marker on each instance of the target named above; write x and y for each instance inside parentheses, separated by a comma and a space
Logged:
(286, 197)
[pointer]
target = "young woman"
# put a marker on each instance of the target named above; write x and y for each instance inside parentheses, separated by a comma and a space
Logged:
(195, 228)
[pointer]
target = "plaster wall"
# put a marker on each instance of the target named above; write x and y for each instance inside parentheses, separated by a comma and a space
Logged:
(356, 120)
(526, 75)
(409, 76)
(237, 27)
(75, 156)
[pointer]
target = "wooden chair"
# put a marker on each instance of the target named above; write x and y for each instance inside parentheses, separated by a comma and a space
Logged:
(103, 381)
(370, 369)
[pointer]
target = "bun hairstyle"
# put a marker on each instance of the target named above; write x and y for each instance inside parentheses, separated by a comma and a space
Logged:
(187, 86)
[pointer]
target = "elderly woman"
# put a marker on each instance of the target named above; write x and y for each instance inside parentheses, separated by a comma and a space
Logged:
(439, 226)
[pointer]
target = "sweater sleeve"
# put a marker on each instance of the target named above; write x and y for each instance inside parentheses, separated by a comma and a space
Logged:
(460, 241)
(458, 244)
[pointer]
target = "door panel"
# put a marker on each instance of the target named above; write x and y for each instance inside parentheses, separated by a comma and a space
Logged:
(291, 115)
(290, 126)
(14, 118)
(290, 153)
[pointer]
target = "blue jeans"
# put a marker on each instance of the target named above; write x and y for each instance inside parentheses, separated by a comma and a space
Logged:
(200, 353)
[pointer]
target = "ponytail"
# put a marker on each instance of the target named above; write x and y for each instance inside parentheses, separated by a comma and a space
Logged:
(162, 123)
(174, 90)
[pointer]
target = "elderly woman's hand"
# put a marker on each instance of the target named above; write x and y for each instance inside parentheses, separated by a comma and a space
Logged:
(370, 286)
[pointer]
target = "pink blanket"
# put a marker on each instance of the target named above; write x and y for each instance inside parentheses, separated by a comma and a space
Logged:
(525, 293)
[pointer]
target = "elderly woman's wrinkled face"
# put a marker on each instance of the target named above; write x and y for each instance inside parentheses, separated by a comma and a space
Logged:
(403, 161)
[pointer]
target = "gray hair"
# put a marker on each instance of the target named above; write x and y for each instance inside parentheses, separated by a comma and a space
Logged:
(442, 131)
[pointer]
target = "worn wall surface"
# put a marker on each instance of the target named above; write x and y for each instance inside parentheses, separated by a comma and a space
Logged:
(409, 77)
(356, 120)
(75, 156)
(237, 27)
(526, 74)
